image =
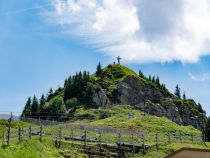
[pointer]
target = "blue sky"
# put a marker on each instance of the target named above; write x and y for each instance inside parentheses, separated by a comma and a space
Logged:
(43, 42)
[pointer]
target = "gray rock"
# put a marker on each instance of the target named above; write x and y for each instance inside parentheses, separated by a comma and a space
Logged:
(100, 98)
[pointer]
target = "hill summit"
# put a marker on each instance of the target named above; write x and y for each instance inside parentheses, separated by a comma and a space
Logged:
(116, 84)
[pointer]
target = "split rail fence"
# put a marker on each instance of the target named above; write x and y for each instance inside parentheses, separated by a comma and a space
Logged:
(129, 141)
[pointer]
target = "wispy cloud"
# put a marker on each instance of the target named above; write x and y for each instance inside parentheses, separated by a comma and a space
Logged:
(139, 30)
(203, 77)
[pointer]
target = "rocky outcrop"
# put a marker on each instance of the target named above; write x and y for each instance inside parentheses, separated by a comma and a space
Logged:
(148, 98)
(100, 98)
(151, 100)
(134, 91)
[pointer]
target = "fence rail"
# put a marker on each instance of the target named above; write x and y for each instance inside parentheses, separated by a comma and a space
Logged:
(122, 141)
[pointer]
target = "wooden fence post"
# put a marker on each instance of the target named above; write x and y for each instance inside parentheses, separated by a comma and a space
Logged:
(60, 136)
(100, 140)
(133, 144)
(192, 137)
(72, 136)
(41, 132)
(180, 137)
(156, 139)
(8, 134)
(120, 144)
(19, 134)
(85, 139)
(143, 145)
(3, 135)
(30, 132)
(169, 137)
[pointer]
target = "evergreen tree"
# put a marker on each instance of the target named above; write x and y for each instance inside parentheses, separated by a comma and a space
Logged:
(34, 106)
(184, 96)
(27, 109)
(200, 109)
(177, 92)
(207, 130)
(42, 100)
(65, 83)
(98, 69)
(157, 81)
(141, 74)
(153, 79)
(149, 78)
(50, 94)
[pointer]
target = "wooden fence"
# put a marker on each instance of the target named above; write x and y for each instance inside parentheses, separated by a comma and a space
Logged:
(123, 142)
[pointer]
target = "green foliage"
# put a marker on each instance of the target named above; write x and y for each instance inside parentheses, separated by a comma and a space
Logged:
(184, 96)
(98, 69)
(34, 106)
(207, 130)
(71, 104)
(77, 86)
(27, 109)
(177, 92)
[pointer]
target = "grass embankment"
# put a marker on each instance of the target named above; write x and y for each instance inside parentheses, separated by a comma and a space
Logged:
(39, 149)
(117, 117)
(14, 124)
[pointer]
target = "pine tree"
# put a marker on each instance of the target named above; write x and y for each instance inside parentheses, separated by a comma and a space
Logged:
(153, 79)
(177, 92)
(141, 74)
(27, 109)
(98, 69)
(200, 109)
(34, 106)
(149, 78)
(207, 130)
(184, 96)
(42, 100)
(157, 81)
(50, 94)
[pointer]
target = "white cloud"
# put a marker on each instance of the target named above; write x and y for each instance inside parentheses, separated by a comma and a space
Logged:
(139, 30)
(204, 77)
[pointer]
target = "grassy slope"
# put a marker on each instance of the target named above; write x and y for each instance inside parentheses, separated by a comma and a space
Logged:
(117, 117)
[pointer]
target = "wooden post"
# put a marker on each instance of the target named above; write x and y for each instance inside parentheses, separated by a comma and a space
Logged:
(143, 145)
(3, 135)
(41, 130)
(120, 144)
(133, 143)
(192, 137)
(8, 133)
(85, 139)
(72, 136)
(100, 140)
(156, 139)
(169, 137)
(19, 134)
(60, 137)
(180, 137)
(30, 132)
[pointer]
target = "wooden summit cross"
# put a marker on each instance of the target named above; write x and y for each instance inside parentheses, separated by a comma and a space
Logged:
(118, 59)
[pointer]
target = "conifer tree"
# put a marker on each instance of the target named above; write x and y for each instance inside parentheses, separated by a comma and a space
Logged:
(149, 78)
(50, 94)
(177, 91)
(184, 96)
(34, 106)
(27, 109)
(157, 81)
(141, 74)
(153, 79)
(207, 130)
(98, 69)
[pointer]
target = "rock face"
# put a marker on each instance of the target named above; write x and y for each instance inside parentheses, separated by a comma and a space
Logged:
(100, 98)
(151, 100)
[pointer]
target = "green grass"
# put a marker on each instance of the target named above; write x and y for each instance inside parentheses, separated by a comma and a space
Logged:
(14, 124)
(117, 117)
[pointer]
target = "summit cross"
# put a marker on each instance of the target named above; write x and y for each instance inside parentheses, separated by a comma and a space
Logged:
(118, 59)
